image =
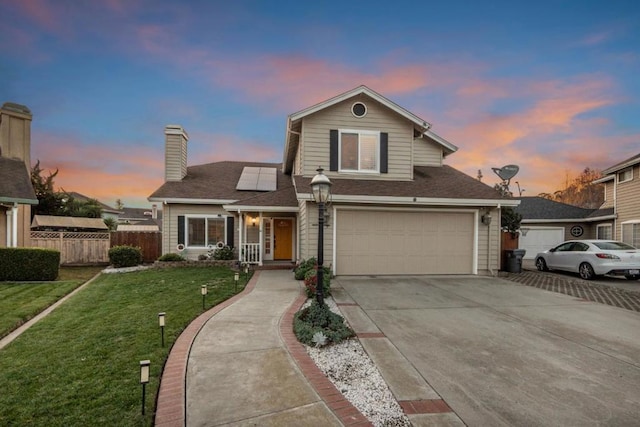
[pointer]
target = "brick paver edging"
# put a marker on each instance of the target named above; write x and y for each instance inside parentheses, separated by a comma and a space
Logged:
(171, 404)
(348, 414)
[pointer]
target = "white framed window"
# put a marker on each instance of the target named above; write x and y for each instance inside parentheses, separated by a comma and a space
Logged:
(604, 232)
(203, 231)
(631, 233)
(359, 151)
(625, 175)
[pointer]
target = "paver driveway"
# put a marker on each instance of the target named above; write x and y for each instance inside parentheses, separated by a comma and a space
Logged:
(500, 353)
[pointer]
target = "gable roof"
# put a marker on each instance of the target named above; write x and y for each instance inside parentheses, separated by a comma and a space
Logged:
(539, 208)
(215, 183)
(15, 182)
(631, 161)
(83, 198)
(292, 138)
(139, 214)
(429, 184)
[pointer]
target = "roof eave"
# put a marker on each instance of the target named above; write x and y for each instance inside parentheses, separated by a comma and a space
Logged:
(19, 200)
(418, 201)
(178, 200)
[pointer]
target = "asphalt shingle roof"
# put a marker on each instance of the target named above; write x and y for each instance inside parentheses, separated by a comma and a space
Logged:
(15, 182)
(541, 208)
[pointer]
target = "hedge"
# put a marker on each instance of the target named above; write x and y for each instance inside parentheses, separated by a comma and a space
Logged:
(29, 264)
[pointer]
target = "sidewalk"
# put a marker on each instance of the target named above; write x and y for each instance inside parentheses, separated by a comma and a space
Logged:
(240, 364)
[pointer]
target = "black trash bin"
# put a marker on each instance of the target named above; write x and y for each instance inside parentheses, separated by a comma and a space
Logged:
(514, 260)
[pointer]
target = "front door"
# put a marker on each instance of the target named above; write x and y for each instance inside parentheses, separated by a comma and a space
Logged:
(282, 238)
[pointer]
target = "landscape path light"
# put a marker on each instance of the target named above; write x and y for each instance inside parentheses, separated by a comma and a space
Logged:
(203, 291)
(161, 324)
(236, 278)
(144, 379)
(321, 189)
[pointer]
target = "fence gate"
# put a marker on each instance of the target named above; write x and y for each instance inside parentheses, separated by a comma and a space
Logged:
(75, 247)
(150, 242)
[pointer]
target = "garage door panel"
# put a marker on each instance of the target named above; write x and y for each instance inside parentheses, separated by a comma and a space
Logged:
(540, 239)
(402, 242)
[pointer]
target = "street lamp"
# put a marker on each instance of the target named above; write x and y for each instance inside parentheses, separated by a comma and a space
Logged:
(144, 378)
(321, 188)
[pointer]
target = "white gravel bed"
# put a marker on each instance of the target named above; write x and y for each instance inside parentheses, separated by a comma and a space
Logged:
(355, 375)
(110, 270)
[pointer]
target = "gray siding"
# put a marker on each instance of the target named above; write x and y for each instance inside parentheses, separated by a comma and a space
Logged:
(426, 153)
(628, 201)
(608, 194)
(315, 138)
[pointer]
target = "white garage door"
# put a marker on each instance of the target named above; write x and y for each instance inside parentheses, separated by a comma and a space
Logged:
(540, 239)
(400, 242)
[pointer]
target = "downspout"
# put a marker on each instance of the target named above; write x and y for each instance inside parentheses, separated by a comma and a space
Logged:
(489, 251)
(12, 241)
(260, 238)
(8, 216)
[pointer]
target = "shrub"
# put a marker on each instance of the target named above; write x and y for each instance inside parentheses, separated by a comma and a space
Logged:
(315, 319)
(303, 267)
(125, 256)
(311, 281)
(171, 257)
(29, 264)
(224, 253)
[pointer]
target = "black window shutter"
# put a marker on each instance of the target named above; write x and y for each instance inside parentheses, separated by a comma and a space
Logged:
(384, 152)
(181, 229)
(333, 150)
(230, 231)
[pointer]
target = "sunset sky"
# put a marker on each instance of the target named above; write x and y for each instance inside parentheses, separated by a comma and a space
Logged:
(552, 86)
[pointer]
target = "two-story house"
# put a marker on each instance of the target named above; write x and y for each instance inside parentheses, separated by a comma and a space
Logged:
(395, 207)
(16, 192)
(622, 194)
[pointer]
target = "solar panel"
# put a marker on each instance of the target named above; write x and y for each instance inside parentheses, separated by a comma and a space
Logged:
(258, 179)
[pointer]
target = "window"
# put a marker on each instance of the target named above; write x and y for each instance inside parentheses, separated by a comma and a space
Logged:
(359, 151)
(604, 232)
(205, 231)
(631, 233)
(625, 175)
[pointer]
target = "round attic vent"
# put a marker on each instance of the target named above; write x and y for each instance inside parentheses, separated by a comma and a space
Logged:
(359, 109)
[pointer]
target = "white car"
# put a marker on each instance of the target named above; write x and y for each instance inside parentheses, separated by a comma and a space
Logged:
(591, 258)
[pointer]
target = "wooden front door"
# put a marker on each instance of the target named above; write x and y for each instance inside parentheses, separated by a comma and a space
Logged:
(282, 238)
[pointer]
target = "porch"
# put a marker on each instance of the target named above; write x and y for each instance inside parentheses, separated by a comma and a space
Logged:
(268, 239)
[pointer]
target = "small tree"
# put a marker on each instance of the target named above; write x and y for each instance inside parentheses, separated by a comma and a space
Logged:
(49, 201)
(510, 220)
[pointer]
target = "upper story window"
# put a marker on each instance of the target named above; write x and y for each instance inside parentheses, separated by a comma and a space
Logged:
(359, 109)
(359, 151)
(625, 175)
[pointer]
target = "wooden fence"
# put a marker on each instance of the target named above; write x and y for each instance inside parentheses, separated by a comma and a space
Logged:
(150, 242)
(75, 247)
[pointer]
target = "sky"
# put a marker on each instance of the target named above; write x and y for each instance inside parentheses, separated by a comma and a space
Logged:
(550, 86)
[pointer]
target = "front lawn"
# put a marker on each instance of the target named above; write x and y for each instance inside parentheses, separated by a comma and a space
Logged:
(80, 365)
(21, 301)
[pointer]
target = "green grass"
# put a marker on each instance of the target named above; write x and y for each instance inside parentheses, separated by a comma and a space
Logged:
(22, 301)
(79, 366)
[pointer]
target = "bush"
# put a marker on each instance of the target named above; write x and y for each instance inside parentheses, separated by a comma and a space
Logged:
(320, 319)
(224, 253)
(311, 281)
(171, 257)
(29, 264)
(125, 256)
(303, 267)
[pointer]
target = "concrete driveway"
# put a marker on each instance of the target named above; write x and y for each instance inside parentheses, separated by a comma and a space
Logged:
(497, 352)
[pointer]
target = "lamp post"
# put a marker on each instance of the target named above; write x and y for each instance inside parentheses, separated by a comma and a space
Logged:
(321, 188)
(203, 291)
(144, 379)
(161, 324)
(236, 278)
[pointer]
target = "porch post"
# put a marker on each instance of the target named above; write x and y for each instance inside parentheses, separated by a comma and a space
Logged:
(240, 228)
(14, 231)
(260, 239)
(9, 213)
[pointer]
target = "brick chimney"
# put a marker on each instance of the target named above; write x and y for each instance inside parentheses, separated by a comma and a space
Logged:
(15, 132)
(175, 154)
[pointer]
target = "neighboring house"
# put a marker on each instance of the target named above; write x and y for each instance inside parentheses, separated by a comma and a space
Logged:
(137, 215)
(107, 211)
(67, 223)
(547, 223)
(395, 207)
(622, 194)
(16, 192)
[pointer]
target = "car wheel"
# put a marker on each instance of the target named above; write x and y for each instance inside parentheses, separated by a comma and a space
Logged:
(632, 276)
(541, 265)
(586, 271)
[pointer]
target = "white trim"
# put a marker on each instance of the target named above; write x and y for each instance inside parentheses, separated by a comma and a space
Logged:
(603, 179)
(615, 169)
(594, 219)
(206, 218)
(476, 231)
(609, 224)
(629, 169)
(366, 110)
(260, 208)
(185, 201)
(631, 221)
(415, 200)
